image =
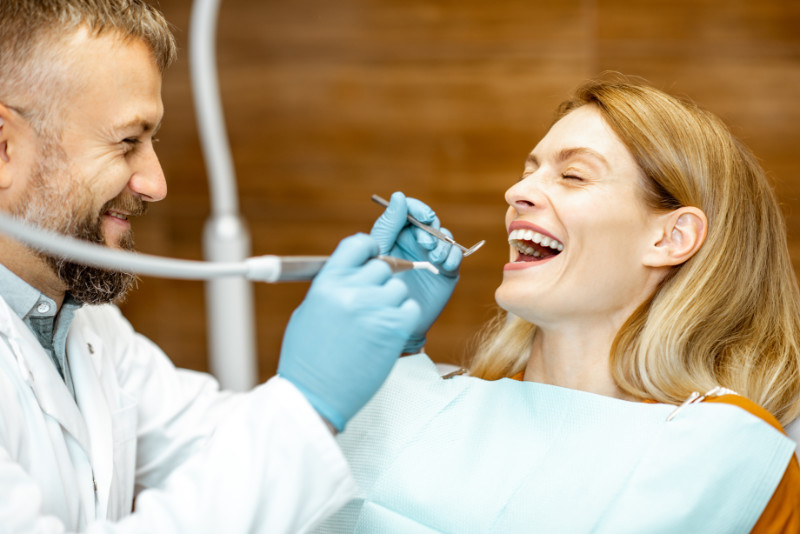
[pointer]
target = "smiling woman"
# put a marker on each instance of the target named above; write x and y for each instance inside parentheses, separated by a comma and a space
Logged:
(680, 224)
(648, 272)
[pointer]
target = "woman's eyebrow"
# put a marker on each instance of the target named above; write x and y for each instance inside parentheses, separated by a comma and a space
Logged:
(568, 153)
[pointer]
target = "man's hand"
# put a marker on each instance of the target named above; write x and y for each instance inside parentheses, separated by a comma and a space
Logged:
(397, 237)
(344, 338)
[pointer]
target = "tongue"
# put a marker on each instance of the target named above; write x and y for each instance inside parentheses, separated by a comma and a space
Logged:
(525, 257)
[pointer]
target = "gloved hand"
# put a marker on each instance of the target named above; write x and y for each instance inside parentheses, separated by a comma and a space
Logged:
(344, 338)
(397, 237)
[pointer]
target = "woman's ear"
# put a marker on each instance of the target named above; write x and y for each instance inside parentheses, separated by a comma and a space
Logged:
(680, 234)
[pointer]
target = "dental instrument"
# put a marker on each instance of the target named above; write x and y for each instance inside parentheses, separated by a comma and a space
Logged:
(306, 267)
(431, 230)
(268, 268)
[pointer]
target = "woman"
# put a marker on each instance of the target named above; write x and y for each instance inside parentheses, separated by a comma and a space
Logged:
(648, 270)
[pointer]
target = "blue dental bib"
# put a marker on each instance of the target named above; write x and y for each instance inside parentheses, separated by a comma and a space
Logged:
(465, 455)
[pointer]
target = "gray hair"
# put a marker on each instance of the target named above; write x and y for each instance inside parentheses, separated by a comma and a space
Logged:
(31, 58)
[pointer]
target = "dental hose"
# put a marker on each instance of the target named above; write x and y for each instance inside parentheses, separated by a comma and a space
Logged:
(266, 268)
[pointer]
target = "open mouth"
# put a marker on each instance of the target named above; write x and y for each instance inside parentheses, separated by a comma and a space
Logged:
(533, 246)
(117, 215)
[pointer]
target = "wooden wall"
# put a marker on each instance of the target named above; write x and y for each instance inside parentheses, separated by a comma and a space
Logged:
(329, 102)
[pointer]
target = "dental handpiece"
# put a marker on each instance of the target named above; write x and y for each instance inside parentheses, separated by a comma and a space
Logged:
(300, 268)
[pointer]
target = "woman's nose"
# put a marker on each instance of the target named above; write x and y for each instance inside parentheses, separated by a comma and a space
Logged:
(522, 195)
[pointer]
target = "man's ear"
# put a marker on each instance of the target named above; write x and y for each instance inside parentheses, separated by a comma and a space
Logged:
(5, 175)
(679, 235)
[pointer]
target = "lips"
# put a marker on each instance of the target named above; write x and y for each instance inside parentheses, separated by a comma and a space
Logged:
(117, 215)
(124, 206)
(531, 243)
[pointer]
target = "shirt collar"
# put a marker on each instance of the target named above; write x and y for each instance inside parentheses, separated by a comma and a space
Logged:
(26, 300)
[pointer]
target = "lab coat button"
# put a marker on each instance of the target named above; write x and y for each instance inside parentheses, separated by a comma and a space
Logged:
(43, 307)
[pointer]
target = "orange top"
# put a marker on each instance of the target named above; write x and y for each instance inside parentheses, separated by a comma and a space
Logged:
(782, 514)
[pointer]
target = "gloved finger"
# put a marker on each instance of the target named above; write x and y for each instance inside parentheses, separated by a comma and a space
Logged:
(391, 222)
(391, 294)
(408, 243)
(405, 317)
(374, 273)
(352, 251)
(410, 314)
(440, 251)
(423, 238)
(451, 264)
(422, 212)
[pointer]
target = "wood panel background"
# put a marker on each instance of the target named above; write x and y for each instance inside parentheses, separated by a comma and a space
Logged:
(329, 102)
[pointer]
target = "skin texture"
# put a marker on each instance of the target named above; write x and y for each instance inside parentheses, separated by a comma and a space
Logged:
(102, 168)
(581, 186)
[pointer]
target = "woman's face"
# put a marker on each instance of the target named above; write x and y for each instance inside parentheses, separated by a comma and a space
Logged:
(578, 228)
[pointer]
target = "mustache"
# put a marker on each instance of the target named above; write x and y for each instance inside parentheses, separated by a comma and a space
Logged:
(126, 203)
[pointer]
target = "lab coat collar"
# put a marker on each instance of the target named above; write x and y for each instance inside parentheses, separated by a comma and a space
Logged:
(40, 373)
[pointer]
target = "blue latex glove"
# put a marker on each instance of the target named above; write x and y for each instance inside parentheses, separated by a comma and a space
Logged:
(397, 237)
(345, 336)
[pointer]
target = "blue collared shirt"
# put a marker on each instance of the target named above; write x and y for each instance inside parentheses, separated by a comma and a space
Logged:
(40, 314)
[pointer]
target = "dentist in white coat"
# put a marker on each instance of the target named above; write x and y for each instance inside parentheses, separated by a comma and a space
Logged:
(99, 432)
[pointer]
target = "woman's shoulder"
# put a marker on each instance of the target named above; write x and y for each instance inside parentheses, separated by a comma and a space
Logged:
(782, 513)
(749, 406)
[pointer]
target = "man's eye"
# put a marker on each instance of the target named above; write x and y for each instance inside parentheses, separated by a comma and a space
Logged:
(129, 145)
(571, 177)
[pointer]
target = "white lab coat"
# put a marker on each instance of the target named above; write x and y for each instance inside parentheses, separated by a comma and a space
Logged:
(198, 460)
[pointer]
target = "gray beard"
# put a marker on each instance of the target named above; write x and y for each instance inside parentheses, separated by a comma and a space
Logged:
(92, 285)
(52, 202)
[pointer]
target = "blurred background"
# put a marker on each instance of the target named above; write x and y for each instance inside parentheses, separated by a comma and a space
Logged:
(329, 102)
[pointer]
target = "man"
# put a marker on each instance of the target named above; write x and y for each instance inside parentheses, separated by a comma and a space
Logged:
(93, 414)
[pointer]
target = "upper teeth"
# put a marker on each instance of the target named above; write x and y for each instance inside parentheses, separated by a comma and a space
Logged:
(518, 237)
(118, 215)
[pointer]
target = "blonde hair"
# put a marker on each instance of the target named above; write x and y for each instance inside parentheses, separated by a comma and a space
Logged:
(729, 316)
(32, 35)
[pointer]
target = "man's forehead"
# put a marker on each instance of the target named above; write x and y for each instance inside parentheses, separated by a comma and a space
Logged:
(115, 86)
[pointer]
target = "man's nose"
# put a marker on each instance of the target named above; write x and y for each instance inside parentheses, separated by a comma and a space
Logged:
(148, 180)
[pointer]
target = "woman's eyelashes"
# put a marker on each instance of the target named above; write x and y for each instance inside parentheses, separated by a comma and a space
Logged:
(568, 174)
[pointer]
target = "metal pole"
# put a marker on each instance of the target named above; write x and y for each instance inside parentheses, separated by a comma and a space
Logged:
(230, 312)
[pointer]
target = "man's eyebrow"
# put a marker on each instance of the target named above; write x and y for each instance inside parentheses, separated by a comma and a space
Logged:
(140, 124)
(568, 153)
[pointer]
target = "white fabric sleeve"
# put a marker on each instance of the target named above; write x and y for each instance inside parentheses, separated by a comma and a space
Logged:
(257, 462)
(285, 474)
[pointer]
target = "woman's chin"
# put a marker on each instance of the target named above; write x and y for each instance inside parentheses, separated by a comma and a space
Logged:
(513, 303)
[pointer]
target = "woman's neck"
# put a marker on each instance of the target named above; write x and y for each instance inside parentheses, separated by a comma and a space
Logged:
(576, 358)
